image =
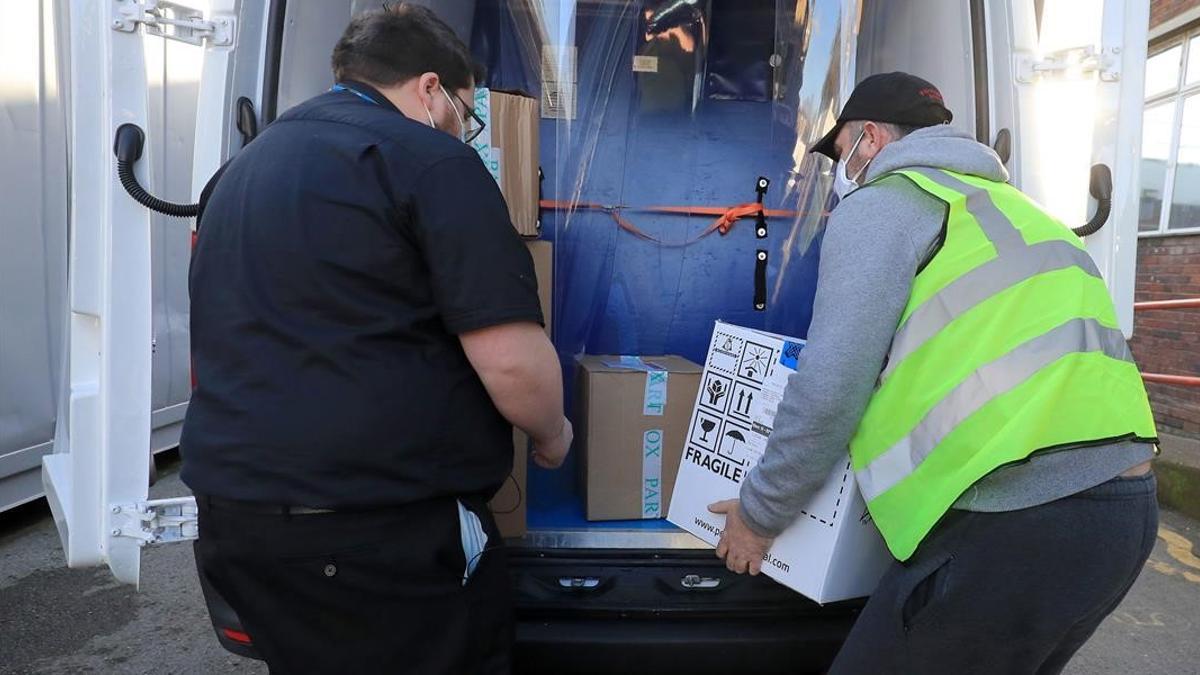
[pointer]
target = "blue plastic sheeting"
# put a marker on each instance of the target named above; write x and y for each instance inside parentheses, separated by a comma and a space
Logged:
(503, 40)
(740, 50)
(675, 137)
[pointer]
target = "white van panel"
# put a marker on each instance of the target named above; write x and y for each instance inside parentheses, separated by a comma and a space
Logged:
(34, 87)
(33, 257)
(898, 35)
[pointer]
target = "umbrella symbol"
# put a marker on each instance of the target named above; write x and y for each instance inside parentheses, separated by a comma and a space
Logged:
(729, 445)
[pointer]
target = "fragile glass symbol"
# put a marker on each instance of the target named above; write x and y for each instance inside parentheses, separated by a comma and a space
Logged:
(706, 425)
(756, 358)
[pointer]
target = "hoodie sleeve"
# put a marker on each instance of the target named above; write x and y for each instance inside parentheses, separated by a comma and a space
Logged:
(874, 242)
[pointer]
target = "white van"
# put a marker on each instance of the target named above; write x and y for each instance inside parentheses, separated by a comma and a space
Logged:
(93, 337)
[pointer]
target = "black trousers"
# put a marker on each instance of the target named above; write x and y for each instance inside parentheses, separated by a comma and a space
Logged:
(1007, 593)
(362, 592)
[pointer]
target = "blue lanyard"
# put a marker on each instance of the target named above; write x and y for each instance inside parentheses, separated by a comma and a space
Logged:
(342, 87)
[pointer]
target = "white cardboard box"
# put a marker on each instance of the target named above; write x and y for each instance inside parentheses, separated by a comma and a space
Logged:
(833, 551)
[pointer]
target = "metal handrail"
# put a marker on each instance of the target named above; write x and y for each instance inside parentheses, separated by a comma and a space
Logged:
(1160, 378)
(1186, 303)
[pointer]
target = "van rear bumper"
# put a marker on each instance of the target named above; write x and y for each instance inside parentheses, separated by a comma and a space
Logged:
(682, 646)
(631, 611)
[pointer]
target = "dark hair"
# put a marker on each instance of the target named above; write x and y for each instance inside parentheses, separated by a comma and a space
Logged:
(397, 43)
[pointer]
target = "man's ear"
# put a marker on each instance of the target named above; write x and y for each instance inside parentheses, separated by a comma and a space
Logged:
(875, 134)
(427, 86)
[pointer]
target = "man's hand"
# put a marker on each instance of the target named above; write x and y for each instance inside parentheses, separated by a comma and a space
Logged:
(550, 454)
(740, 548)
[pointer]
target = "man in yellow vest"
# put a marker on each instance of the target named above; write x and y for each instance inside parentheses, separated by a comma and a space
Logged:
(965, 347)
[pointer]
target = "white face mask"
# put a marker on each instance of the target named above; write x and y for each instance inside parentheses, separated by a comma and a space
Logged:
(843, 184)
(457, 116)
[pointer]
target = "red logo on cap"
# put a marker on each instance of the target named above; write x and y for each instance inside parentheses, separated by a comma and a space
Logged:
(930, 92)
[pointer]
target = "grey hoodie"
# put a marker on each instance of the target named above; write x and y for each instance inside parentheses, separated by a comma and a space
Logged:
(875, 241)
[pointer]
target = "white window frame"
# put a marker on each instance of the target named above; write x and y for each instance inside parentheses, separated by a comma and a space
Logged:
(1175, 97)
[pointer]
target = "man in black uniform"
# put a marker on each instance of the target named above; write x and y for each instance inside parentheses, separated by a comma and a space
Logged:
(365, 333)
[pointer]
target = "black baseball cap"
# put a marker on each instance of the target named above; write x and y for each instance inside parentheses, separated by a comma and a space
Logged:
(898, 98)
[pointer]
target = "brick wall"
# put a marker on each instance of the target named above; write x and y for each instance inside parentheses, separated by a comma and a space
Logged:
(1165, 10)
(1169, 268)
(1169, 341)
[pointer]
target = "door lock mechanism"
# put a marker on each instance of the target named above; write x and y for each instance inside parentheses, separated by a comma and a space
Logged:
(695, 581)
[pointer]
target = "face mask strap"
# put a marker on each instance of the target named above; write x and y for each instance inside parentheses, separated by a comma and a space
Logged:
(453, 107)
(850, 154)
(428, 114)
(457, 116)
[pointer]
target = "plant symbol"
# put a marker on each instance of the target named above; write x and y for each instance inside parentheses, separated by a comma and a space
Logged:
(716, 391)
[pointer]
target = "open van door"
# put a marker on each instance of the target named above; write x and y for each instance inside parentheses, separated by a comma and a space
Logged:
(96, 479)
(1066, 80)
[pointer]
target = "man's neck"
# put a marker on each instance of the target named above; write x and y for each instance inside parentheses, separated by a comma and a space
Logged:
(404, 97)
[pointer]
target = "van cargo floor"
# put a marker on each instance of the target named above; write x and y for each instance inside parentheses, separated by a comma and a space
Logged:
(556, 519)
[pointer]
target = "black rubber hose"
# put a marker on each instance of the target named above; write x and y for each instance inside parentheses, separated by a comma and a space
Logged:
(128, 148)
(1100, 186)
(1103, 208)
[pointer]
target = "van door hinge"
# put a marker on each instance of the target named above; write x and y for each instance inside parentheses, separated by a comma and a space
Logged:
(1069, 64)
(173, 22)
(157, 521)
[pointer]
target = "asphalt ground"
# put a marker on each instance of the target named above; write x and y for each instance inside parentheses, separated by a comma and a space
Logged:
(59, 620)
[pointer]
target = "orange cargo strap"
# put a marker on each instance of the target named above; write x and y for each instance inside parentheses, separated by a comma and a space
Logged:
(726, 216)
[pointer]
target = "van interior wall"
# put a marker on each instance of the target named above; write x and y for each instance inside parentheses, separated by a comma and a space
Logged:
(693, 121)
(173, 78)
(313, 27)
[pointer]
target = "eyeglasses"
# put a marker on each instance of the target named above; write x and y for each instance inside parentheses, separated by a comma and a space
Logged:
(476, 122)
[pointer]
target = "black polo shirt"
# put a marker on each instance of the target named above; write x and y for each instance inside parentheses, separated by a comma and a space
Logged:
(339, 257)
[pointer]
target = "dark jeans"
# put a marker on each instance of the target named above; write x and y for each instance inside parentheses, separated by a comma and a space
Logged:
(1007, 593)
(362, 592)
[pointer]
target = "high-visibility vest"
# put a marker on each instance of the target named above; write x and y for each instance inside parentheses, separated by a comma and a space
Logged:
(1009, 346)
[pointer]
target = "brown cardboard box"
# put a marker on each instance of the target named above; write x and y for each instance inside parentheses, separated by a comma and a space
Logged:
(620, 437)
(509, 504)
(543, 267)
(512, 134)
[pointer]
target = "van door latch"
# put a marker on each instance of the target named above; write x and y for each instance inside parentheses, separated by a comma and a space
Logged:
(693, 581)
(578, 582)
(173, 22)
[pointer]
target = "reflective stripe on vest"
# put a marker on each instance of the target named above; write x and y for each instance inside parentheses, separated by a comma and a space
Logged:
(996, 378)
(1015, 262)
(1008, 345)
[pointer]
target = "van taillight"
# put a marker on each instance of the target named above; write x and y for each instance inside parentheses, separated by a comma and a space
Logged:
(236, 635)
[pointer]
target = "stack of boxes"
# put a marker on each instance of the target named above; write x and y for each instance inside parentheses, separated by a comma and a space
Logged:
(509, 149)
